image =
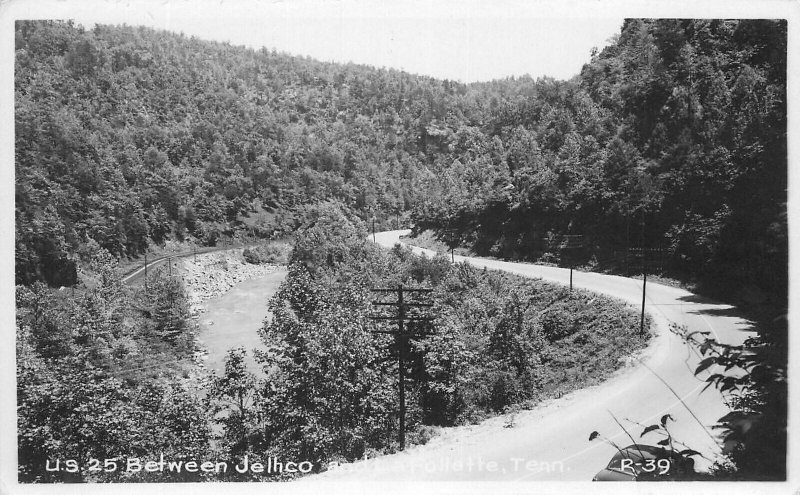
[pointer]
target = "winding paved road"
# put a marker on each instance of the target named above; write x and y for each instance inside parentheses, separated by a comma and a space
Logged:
(551, 441)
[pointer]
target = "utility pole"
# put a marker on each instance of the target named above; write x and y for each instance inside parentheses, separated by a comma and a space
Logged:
(644, 292)
(452, 241)
(640, 253)
(401, 337)
(641, 240)
(644, 276)
(627, 244)
(145, 272)
(650, 258)
(373, 229)
(571, 243)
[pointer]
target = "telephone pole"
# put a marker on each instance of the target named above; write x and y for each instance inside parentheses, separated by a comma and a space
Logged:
(453, 240)
(401, 338)
(644, 295)
(571, 243)
(650, 258)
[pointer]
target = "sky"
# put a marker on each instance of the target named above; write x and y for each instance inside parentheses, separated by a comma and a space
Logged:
(465, 40)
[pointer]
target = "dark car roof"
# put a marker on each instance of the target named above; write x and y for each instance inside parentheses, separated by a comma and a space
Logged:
(639, 452)
(614, 475)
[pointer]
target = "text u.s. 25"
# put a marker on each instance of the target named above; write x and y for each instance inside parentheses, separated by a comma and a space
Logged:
(272, 465)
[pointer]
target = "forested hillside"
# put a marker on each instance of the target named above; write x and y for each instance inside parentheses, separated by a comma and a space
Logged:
(127, 136)
(673, 136)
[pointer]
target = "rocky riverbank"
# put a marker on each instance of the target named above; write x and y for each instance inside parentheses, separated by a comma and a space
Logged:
(213, 274)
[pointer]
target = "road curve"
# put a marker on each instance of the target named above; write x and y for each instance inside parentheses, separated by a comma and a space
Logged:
(551, 441)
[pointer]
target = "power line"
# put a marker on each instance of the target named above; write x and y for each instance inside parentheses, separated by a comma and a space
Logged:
(109, 374)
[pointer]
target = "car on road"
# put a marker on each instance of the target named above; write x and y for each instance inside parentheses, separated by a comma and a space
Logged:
(646, 463)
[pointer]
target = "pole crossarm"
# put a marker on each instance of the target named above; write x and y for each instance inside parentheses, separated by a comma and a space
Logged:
(563, 241)
(404, 289)
(390, 332)
(405, 318)
(649, 257)
(425, 305)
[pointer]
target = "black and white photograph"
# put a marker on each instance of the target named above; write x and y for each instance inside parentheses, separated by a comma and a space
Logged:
(356, 246)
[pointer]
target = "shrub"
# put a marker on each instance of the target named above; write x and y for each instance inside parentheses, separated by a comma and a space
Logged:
(421, 435)
(268, 254)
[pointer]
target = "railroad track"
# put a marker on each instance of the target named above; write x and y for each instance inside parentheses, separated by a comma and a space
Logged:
(138, 272)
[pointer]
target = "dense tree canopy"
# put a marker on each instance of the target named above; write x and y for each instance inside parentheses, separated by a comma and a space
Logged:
(128, 136)
(101, 375)
(674, 136)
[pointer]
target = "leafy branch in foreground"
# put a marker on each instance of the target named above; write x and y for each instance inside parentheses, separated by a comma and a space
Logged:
(642, 462)
(754, 380)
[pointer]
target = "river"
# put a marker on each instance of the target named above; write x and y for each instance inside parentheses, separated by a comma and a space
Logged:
(234, 318)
